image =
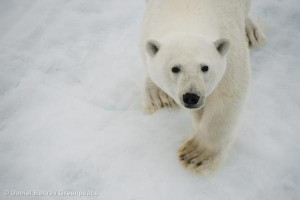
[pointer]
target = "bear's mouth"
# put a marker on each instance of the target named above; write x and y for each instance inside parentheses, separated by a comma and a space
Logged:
(193, 107)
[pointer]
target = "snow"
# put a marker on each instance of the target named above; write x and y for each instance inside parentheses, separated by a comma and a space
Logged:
(70, 116)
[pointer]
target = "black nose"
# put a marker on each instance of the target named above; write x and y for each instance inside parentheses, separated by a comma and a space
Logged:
(190, 98)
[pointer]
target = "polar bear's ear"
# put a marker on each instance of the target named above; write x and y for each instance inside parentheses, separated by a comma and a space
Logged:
(222, 46)
(152, 47)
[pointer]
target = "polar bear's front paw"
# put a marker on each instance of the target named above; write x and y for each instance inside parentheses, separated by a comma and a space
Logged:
(254, 34)
(198, 158)
(156, 99)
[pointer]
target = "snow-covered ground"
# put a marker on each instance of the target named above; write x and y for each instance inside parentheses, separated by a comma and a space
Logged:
(70, 117)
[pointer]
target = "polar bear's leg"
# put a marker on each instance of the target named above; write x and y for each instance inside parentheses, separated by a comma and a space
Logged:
(200, 157)
(154, 98)
(254, 33)
(213, 136)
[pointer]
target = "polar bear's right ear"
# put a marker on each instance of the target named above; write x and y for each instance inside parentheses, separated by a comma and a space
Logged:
(222, 46)
(152, 47)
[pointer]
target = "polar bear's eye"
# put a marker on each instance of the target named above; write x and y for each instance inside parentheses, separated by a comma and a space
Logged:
(176, 69)
(204, 68)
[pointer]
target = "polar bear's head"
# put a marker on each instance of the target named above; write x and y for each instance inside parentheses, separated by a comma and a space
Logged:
(187, 67)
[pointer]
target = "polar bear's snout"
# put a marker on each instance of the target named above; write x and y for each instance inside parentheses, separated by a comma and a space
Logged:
(190, 89)
(192, 100)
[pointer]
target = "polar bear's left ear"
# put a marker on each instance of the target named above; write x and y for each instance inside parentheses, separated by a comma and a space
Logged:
(222, 46)
(152, 47)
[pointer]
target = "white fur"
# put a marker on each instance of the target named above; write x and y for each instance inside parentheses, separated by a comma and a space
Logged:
(187, 33)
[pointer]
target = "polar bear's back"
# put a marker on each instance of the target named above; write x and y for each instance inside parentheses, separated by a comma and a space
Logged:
(209, 18)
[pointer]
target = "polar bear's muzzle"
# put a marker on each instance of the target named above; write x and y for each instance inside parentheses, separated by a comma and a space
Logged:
(192, 100)
(191, 92)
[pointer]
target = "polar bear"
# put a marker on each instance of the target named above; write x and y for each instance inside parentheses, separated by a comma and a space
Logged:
(197, 57)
